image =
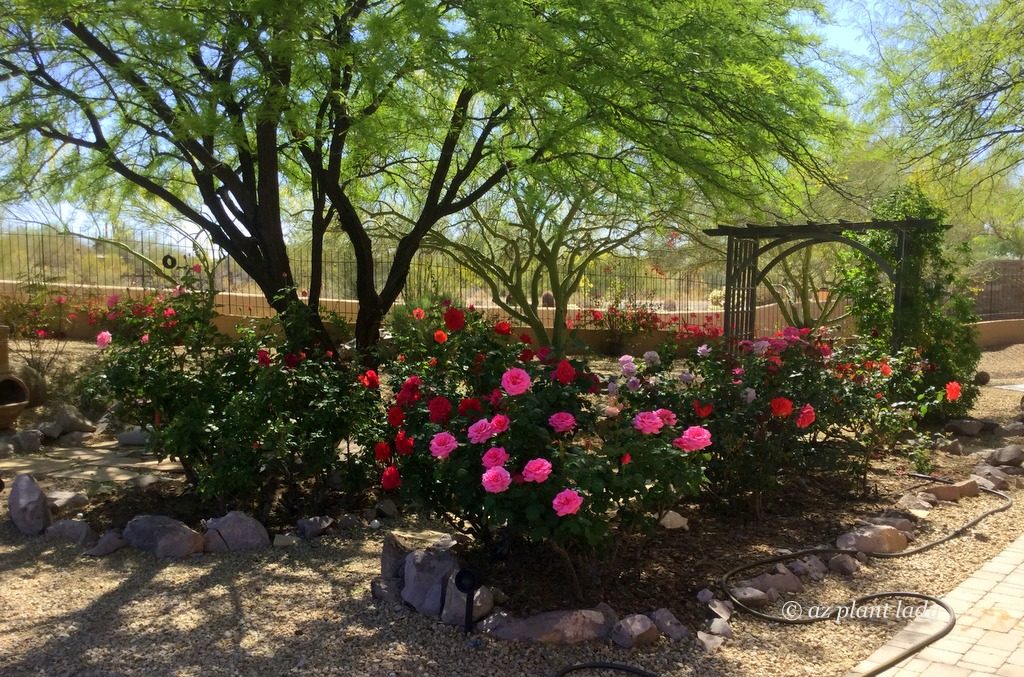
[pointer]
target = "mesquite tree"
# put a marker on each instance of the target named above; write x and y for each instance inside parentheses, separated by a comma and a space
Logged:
(409, 111)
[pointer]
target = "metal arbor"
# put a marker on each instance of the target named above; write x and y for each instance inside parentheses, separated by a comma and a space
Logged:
(747, 243)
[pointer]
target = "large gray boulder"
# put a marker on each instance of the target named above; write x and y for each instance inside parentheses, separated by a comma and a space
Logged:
(965, 426)
(71, 420)
(634, 631)
(669, 625)
(28, 507)
(163, 536)
(311, 527)
(235, 531)
(1012, 454)
(426, 577)
(29, 441)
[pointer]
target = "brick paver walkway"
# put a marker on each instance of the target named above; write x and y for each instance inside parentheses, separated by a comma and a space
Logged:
(989, 635)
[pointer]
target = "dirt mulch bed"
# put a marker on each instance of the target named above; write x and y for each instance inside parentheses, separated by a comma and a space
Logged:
(308, 610)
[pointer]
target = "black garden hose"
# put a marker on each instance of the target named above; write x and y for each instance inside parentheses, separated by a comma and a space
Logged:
(906, 653)
(833, 611)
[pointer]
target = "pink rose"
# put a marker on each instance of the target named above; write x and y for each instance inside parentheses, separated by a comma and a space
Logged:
(693, 438)
(806, 416)
(667, 417)
(515, 381)
(112, 301)
(196, 268)
(537, 470)
(562, 422)
(494, 457)
(567, 502)
(443, 444)
(103, 339)
(144, 339)
(496, 479)
(481, 431)
(499, 423)
(648, 422)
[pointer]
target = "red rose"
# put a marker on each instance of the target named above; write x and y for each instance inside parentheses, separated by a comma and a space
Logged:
(469, 407)
(454, 319)
(390, 479)
(382, 451)
(370, 379)
(418, 313)
(440, 409)
(952, 391)
(403, 444)
(598, 316)
(503, 328)
(494, 399)
(805, 417)
(526, 355)
(543, 353)
(525, 338)
(440, 336)
(702, 410)
(396, 416)
(291, 360)
(782, 407)
(625, 459)
(564, 373)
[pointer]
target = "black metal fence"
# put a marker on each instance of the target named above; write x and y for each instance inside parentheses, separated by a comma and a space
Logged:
(70, 262)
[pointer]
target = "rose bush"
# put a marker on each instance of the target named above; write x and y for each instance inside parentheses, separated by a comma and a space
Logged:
(503, 439)
(252, 419)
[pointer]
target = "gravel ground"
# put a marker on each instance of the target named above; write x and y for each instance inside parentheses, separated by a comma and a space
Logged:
(308, 610)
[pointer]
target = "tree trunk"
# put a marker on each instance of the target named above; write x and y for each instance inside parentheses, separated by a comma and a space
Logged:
(368, 322)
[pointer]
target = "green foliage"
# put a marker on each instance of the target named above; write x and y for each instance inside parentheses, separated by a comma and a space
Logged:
(449, 386)
(247, 417)
(938, 307)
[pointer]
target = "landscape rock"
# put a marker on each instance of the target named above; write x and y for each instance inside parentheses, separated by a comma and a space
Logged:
(551, 627)
(952, 447)
(109, 542)
(51, 430)
(781, 582)
(386, 589)
(998, 479)
(235, 531)
(1011, 469)
(75, 531)
(75, 438)
(392, 556)
(983, 483)
(348, 521)
(721, 627)
(967, 488)
(387, 508)
(285, 540)
(426, 576)
(982, 378)
(874, 538)
(799, 568)
(133, 437)
(27, 506)
(750, 597)
(705, 596)
(6, 449)
(29, 441)
(67, 500)
(943, 492)
(965, 427)
(899, 523)
(162, 536)
(454, 609)
(843, 564)
(635, 630)
(669, 625)
(673, 520)
(721, 608)
(311, 527)
(914, 505)
(1012, 429)
(988, 425)
(1012, 454)
(710, 643)
(71, 420)
(817, 567)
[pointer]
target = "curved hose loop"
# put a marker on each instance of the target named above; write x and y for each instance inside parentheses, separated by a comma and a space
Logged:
(616, 667)
(831, 613)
